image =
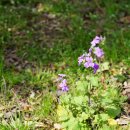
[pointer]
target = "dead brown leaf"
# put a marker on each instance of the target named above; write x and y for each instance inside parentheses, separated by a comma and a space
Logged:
(57, 126)
(123, 120)
(27, 108)
(125, 20)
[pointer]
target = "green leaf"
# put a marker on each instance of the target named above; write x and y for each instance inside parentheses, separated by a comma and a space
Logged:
(94, 81)
(104, 117)
(71, 124)
(78, 100)
(105, 127)
(84, 116)
(82, 85)
(65, 98)
(99, 118)
(113, 111)
(106, 101)
(62, 113)
(105, 66)
(74, 125)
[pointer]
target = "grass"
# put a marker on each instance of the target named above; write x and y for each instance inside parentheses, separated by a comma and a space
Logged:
(50, 50)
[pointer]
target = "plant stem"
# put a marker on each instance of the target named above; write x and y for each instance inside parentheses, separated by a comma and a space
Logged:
(89, 95)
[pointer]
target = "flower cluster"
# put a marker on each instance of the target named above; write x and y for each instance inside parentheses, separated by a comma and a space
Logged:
(87, 58)
(62, 82)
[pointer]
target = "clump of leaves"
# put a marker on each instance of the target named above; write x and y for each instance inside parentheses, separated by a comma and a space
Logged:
(77, 111)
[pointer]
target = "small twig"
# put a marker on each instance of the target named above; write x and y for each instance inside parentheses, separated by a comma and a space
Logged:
(89, 96)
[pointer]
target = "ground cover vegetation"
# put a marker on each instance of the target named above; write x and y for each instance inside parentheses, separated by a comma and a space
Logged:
(64, 64)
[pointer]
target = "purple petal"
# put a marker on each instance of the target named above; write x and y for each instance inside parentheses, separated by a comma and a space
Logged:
(88, 64)
(89, 59)
(90, 50)
(62, 75)
(65, 88)
(63, 83)
(95, 67)
(81, 59)
(96, 40)
(98, 52)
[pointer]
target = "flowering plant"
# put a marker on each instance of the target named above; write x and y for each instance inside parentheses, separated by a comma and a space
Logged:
(88, 105)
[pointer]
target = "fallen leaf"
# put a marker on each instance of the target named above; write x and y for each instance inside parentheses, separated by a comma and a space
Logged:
(26, 107)
(2, 108)
(125, 20)
(39, 125)
(32, 95)
(8, 114)
(57, 126)
(123, 121)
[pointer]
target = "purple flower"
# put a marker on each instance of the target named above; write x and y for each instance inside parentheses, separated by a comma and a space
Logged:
(65, 88)
(95, 67)
(89, 59)
(96, 41)
(88, 64)
(81, 59)
(61, 75)
(98, 52)
(90, 50)
(63, 85)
